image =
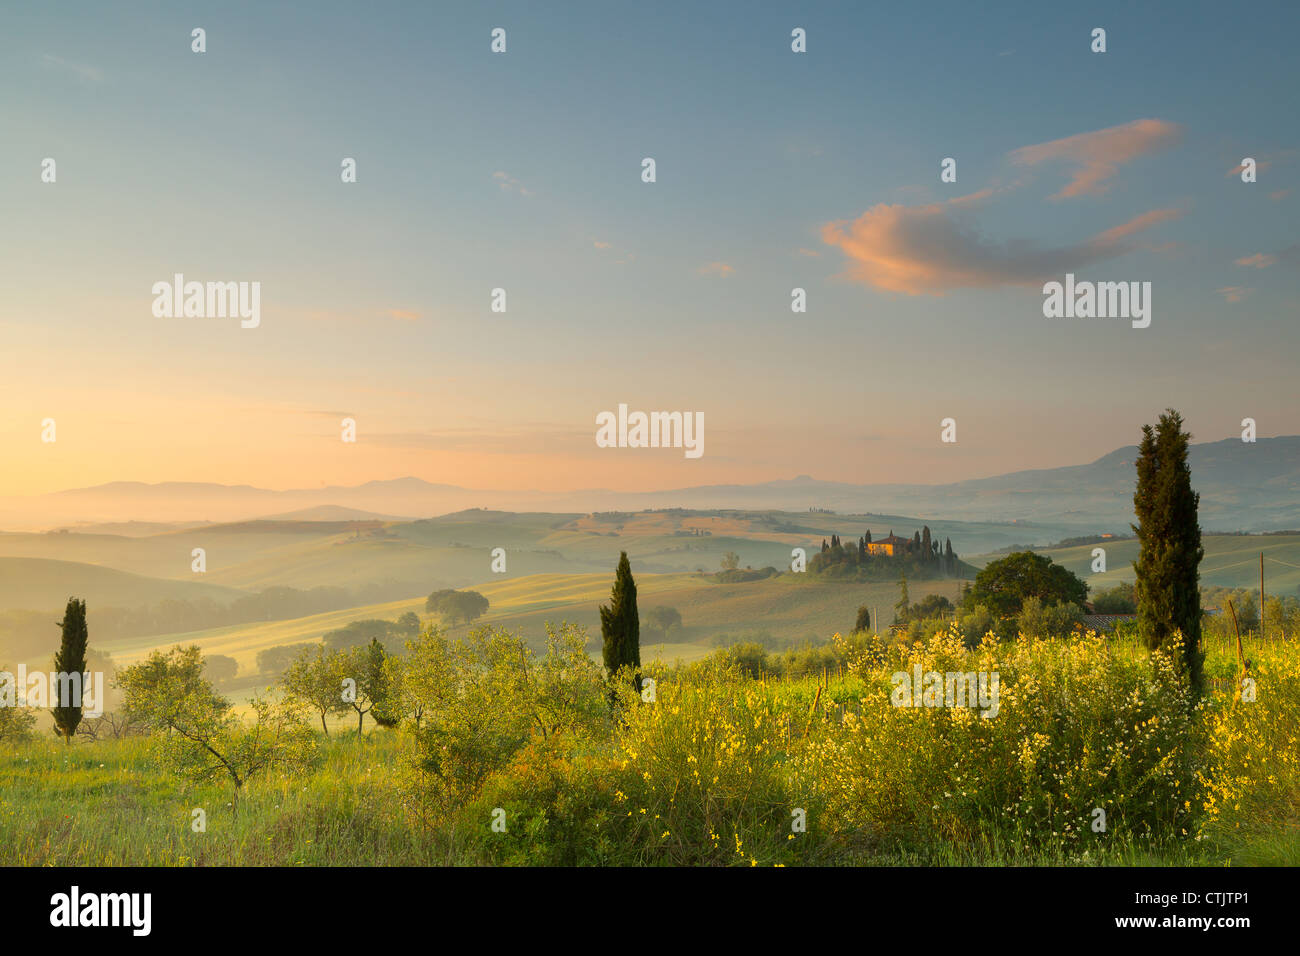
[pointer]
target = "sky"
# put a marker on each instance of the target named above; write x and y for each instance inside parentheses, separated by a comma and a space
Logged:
(522, 170)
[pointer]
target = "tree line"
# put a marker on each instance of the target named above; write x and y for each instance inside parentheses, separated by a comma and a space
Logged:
(921, 555)
(27, 632)
(469, 702)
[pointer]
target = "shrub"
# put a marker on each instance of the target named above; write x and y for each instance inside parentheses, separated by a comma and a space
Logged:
(704, 776)
(198, 736)
(1057, 619)
(483, 698)
(1117, 600)
(1252, 770)
(1078, 727)
(560, 810)
(749, 659)
(975, 625)
(16, 718)
(274, 661)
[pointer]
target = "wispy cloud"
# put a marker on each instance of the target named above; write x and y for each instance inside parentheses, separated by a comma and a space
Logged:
(509, 183)
(404, 315)
(1097, 156)
(1234, 293)
(624, 256)
(89, 73)
(1135, 225)
(1260, 166)
(1260, 260)
(934, 247)
(719, 269)
(1280, 194)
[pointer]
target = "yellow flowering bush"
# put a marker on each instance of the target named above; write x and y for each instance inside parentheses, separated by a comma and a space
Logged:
(1077, 728)
(1089, 747)
(1252, 772)
(704, 775)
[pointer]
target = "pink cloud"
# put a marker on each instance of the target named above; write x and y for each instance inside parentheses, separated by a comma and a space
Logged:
(924, 250)
(1260, 260)
(1135, 225)
(1098, 155)
(1233, 293)
(1260, 166)
(720, 269)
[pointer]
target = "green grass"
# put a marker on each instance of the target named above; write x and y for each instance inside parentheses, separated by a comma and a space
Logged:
(110, 803)
(781, 611)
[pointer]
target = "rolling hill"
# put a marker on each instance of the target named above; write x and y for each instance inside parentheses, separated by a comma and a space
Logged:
(455, 550)
(37, 583)
(780, 612)
(1251, 487)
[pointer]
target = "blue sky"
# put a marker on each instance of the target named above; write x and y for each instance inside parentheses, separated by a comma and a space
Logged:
(522, 171)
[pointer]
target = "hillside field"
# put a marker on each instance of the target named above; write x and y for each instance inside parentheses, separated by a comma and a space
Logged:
(1230, 561)
(778, 612)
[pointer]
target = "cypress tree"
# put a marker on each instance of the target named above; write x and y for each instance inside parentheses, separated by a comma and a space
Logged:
(904, 603)
(1169, 535)
(927, 549)
(71, 659)
(619, 625)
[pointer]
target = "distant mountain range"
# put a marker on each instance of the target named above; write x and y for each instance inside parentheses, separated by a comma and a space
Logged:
(1243, 487)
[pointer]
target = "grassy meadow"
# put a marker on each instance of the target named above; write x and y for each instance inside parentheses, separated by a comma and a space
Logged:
(715, 769)
(761, 716)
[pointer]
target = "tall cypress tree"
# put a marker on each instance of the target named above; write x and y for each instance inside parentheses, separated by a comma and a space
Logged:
(904, 603)
(70, 659)
(1168, 577)
(620, 627)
